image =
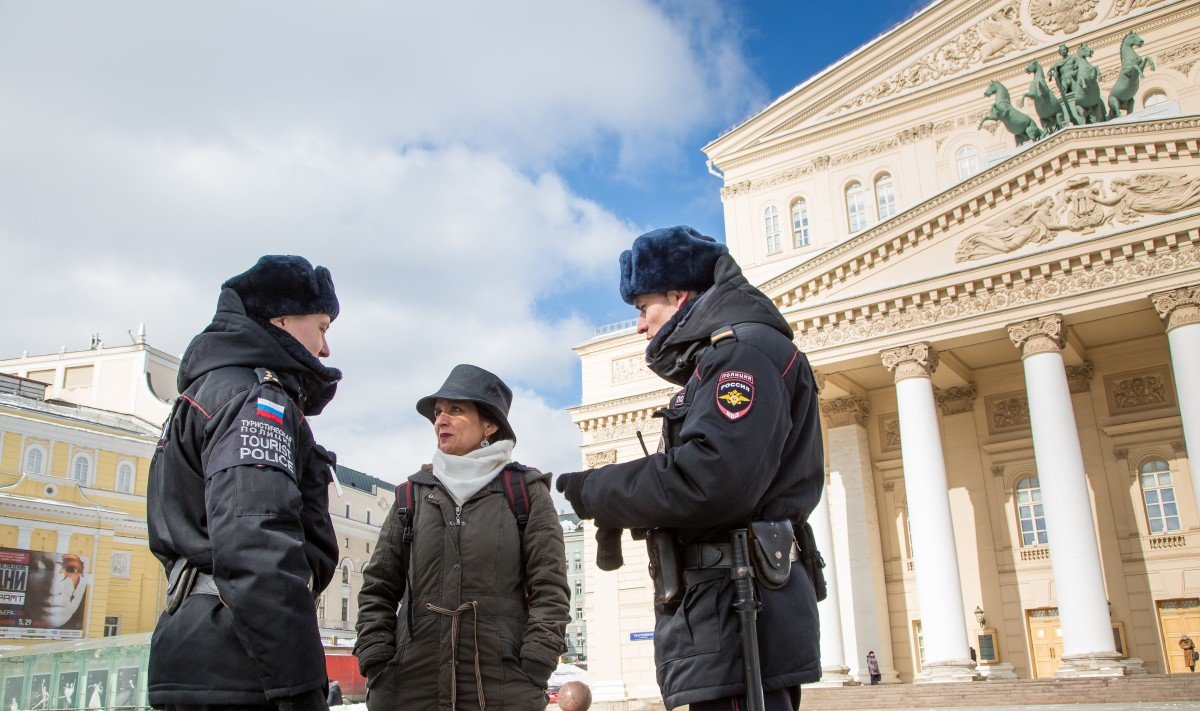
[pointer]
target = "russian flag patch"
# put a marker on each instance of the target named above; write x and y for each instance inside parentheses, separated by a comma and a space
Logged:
(270, 410)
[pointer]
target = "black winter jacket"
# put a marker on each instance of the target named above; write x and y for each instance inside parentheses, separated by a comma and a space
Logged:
(238, 486)
(742, 443)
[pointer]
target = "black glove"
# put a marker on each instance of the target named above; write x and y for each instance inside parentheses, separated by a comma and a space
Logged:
(308, 701)
(537, 672)
(572, 485)
(608, 549)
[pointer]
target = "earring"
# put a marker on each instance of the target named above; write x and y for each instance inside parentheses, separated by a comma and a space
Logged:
(484, 442)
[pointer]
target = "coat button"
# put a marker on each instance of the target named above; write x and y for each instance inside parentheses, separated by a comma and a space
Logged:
(457, 567)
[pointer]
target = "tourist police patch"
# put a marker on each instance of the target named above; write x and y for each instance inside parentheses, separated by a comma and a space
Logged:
(255, 439)
(735, 393)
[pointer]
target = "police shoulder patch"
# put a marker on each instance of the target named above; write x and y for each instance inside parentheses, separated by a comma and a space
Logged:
(735, 393)
(261, 435)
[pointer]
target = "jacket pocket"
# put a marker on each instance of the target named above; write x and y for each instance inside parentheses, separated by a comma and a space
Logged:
(694, 627)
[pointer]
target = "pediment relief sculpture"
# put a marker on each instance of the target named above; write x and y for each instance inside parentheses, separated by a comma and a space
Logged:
(1121, 8)
(1062, 16)
(1082, 206)
(992, 37)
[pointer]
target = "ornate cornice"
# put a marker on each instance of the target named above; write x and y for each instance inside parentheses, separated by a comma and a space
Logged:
(1045, 334)
(657, 395)
(946, 211)
(916, 360)
(850, 410)
(1178, 307)
(1096, 271)
(956, 400)
(1079, 377)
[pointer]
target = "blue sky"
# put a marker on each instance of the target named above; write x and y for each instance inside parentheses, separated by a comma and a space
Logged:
(468, 172)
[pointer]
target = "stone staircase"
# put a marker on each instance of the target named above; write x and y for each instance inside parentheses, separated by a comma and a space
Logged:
(1031, 692)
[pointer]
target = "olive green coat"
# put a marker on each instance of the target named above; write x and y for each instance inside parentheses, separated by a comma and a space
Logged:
(470, 559)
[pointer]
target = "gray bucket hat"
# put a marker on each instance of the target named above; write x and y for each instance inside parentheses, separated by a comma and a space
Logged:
(470, 382)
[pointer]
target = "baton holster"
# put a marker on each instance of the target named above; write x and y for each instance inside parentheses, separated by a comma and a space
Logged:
(772, 552)
(179, 583)
(812, 560)
(665, 566)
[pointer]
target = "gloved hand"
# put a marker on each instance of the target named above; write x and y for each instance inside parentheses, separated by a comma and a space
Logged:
(537, 672)
(571, 485)
(608, 549)
(308, 701)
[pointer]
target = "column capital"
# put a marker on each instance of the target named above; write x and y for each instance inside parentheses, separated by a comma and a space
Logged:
(1045, 334)
(1178, 307)
(957, 399)
(850, 410)
(820, 378)
(916, 360)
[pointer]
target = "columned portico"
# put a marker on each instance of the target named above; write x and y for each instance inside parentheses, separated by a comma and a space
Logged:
(939, 586)
(1088, 648)
(1180, 312)
(834, 671)
(856, 552)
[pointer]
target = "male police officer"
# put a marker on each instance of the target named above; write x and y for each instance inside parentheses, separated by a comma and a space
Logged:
(238, 506)
(741, 444)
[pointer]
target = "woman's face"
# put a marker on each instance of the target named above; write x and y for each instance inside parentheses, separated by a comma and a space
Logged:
(64, 584)
(458, 426)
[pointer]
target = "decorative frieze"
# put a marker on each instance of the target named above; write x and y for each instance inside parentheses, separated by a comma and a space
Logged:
(628, 370)
(956, 400)
(889, 431)
(1121, 8)
(1138, 390)
(1007, 412)
(1178, 307)
(606, 432)
(1079, 377)
(1045, 334)
(601, 458)
(916, 360)
(844, 411)
(1083, 206)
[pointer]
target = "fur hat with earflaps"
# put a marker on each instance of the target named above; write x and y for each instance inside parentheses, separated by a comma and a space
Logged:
(285, 285)
(669, 259)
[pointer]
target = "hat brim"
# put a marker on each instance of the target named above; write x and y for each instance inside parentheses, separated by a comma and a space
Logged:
(425, 408)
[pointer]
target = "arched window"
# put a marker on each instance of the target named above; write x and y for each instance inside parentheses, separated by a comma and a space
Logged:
(1030, 516)
(345, 573)
(800, 223)
(856, 206)
(35, 459)
(968, 162)
(125, 478)
(771, 229)
(885, 196)
(1154, 97)
(1162, 513)
(81, 468)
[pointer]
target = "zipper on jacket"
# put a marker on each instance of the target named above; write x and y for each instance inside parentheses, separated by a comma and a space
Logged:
(457, 517)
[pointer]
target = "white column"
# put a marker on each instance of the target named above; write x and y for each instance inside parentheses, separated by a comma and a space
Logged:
(1180, 311)
(857, 553)
(939, 586)
(1088, 648)
(834, 671)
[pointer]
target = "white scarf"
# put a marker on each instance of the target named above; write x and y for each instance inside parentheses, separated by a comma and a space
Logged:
(465, 475)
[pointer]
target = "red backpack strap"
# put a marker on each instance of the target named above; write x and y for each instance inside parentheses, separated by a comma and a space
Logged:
(516, 491)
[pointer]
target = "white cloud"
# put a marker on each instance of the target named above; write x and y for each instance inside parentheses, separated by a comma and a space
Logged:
(152, 151)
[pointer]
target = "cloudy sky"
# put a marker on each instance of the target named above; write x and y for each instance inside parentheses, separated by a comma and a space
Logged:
(469, 171)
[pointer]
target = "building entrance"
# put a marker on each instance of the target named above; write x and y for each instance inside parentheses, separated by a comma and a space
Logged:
(1175, 617)
(1045, 639)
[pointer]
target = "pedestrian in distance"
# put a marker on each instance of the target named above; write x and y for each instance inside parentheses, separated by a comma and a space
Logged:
(1189, 651)
(334, 697)
(472, 554)
(740, 450)
(873, 668)
(238, 504)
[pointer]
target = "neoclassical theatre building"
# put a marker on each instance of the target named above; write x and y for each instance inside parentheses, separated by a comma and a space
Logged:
(1007, 339)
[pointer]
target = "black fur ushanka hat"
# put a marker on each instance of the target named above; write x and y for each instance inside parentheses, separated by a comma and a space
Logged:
(669, 259)
(285, 285)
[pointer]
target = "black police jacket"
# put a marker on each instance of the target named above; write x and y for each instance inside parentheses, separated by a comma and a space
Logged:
(238, 487)
(742, 442)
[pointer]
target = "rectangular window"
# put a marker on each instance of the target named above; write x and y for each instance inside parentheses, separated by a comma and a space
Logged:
(347, 510)
(800, 223)
(345, 609)
(112, 626)
(368, 516)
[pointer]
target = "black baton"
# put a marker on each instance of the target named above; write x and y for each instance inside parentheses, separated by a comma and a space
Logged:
(746, 604)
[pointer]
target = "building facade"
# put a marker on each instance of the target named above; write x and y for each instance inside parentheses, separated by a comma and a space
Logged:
(573, 534)
(1007, 339)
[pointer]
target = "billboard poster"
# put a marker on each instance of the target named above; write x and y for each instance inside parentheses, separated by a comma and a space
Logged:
(97, 688)
(127, 689)
(39, 693)
(42, 594)
(12, 693)
(66, 697)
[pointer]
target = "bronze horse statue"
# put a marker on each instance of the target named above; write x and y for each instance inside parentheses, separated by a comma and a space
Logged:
(1133, 68)
(1017, 123)
(1087, 99)
(1049, 107)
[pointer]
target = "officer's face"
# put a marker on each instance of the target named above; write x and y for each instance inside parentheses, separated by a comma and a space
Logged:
(309, 330)
(654, 310)
(458, 426)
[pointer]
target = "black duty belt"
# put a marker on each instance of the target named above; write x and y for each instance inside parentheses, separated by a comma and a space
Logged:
(700, 556)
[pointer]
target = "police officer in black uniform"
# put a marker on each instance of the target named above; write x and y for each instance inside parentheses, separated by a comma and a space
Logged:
(741, 445)
(238, 508)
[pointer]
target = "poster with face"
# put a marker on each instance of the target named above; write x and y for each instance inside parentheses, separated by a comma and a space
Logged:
(42, 594)
(12, 693)
(39, 692)
(127, 690)
(97, 688)
(66, 697)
